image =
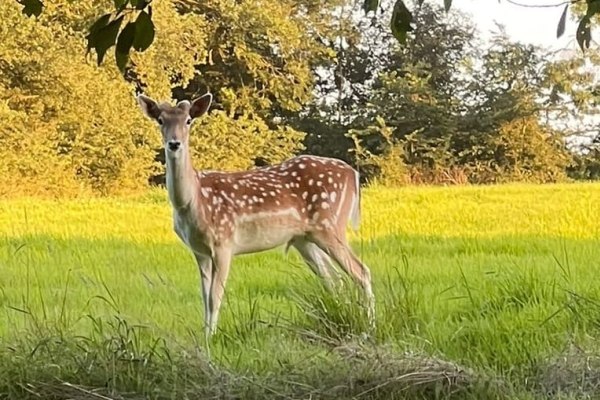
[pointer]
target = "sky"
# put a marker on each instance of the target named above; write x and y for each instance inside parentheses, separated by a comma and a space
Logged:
(527, 25)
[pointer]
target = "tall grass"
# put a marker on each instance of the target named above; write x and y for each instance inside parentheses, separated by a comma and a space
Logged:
(482, 292)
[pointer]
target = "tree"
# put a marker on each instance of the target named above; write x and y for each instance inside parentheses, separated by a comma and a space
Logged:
(254, 57)
(286, 75)
(490, 119)
(413, 87)
(57, 124)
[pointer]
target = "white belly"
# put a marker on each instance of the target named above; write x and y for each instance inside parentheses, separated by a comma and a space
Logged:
(264, 231)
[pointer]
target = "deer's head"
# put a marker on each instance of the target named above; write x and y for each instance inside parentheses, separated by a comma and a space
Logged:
(175, 122)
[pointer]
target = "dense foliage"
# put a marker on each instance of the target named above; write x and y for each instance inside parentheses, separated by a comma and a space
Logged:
(67, 120)
(448, 108)
(293, 76)
(64, 123)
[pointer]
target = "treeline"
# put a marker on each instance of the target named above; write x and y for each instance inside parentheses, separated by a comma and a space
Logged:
(289, 77)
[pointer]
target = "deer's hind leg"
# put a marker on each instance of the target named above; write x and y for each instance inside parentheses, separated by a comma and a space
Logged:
(335, 245)
(318, 261)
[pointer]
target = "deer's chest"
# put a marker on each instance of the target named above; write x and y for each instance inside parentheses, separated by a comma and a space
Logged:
(189, 232)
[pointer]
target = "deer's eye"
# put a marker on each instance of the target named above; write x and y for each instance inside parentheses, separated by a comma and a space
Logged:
(188, 120)
(160, 120)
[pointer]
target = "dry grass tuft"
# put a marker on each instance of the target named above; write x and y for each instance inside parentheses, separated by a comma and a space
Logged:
(379, 372)
(575, 373)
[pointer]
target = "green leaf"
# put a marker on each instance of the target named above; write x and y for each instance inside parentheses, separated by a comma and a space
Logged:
(584, 34)
(401, 19)
(144, 32)
(560, 30)
(96, 26)
(125, 40)
(121, 60)
(120, 5)
(32, 7)
(447, 5)
(106, 37)
(593, 8)
(124, 43)
(141, 4)
(370, 5)
(123, 47)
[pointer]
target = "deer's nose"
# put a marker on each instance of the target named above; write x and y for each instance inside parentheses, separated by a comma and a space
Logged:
(174, 145)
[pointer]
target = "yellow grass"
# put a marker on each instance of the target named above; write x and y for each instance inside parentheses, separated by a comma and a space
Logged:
(565, 210)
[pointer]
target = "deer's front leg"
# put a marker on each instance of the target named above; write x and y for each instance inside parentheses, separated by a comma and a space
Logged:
(220, 271)
(205, 267)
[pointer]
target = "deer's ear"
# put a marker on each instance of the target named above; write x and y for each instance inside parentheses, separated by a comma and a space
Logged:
(149, 107)
(200, 105)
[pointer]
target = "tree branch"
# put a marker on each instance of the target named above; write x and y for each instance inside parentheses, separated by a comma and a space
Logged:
(541, 5)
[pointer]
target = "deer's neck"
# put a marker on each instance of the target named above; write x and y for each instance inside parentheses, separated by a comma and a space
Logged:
(182, 183)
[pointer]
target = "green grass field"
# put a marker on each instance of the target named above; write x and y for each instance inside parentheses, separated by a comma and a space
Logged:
(482, 292)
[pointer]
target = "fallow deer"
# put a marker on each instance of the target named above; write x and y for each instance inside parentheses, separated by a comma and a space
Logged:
(304, 202)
